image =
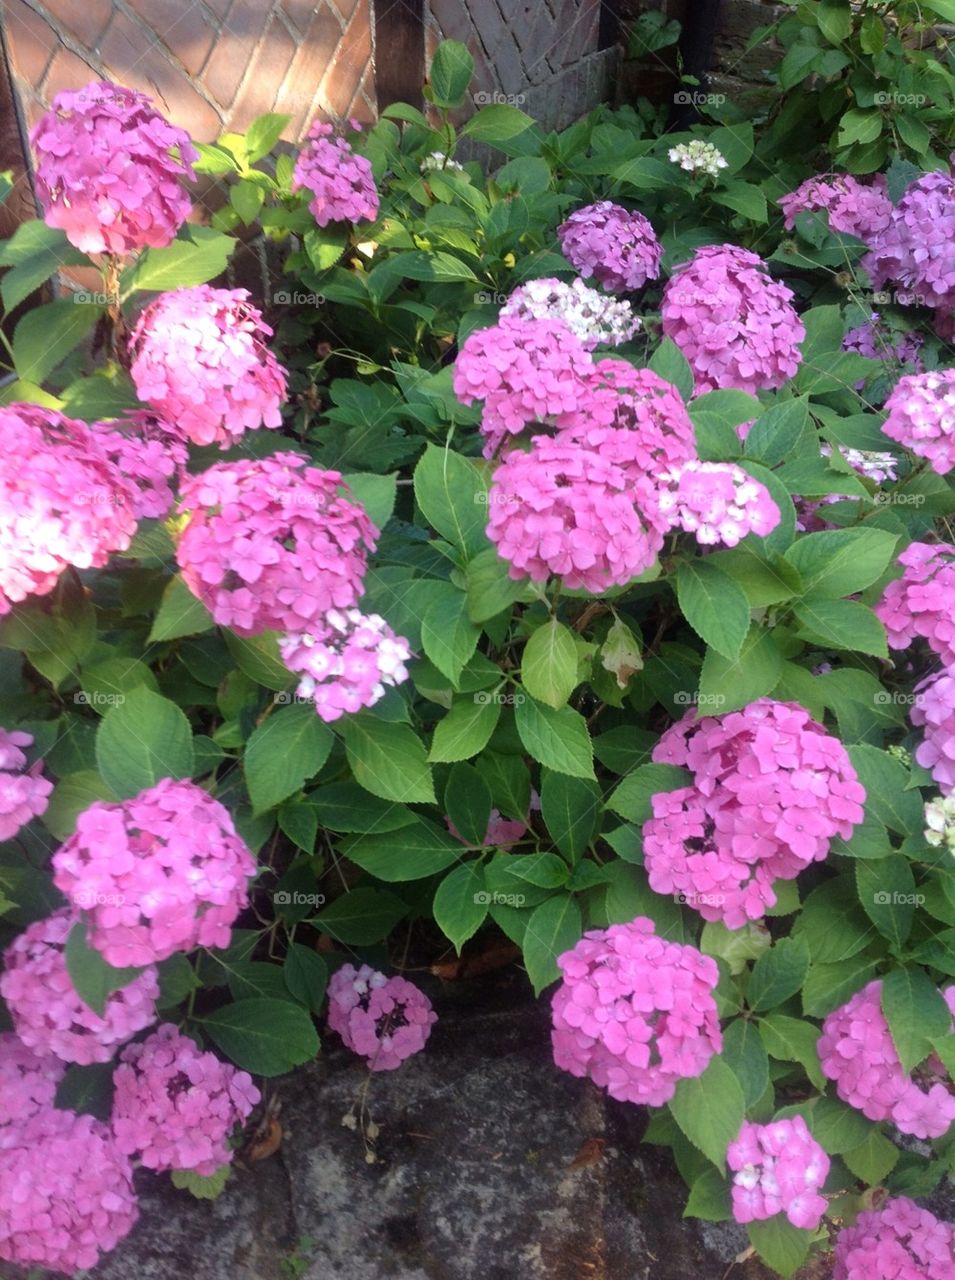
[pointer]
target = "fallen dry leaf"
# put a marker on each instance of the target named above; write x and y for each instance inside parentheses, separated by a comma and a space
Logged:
(589, 1152)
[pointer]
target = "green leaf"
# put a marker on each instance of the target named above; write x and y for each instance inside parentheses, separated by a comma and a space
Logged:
(710, 1110)
(570, 808)
(778, 973)
(830, 985)
(410, 853)
(859, 126)
(306, 976)
(448, 635)
(259, 658)
(497, 123)
(92, 978)
(709, 1198)
(452, 493)
(87, 1090)
(887, 893)
(287, 748)
(774, 434)
(840, 562)
(490, 589)
(545, 870)
(361, 916)
(47, 334)
(466, 729)
(553, 928)
(266, 1037)
(746, 1056)
(632, 798)
(433, 265)
(467, 802)
(780, 1244)
(388, 760)
(669, 362)
(841, 624)
(451, 70)
(793, 1040)
(745, 198)
(246, 198)
(728, 684)
(198, 255)
(837, 1127)
(72, 795)
(916, 1013)
(344, 806)
(714, 605)
(262, 135)
(835, 20)
(885, 781)
(549, 664)
(558, 739)
(375, 493)
(460, 903)
(143, 739)
(872, 1160)
(209, 1187)
(33, 254)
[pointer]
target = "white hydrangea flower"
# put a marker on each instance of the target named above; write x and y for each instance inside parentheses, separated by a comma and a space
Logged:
(698, 157)
(594, 318)
(438, 160)
(940, 823)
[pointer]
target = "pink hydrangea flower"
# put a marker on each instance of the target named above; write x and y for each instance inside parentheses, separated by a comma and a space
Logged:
(616, 247)
(635, 1013)
(61, 501)
(717, 502)
(934, 713)
(915, 249)
(66, 1192)
(778, 1168)
(199, 359)
(860, 209)
(385, 1020)
(175, 1107)
(24, 793)
(47, 1013)
(733, 322)
(922, 601)
(341, 182)
(566, 510)
(900, 1241)
(771, 788)
(346, 661)
(501, 832)
(272, 545)
(109, 170)
(161, 873)
(590, 316)
(922, 417)
(145, 451)
(28, 1080)
(856, 1051)
(877, 341)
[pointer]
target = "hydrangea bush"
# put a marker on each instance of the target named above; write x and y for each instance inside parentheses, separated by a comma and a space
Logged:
(559, 553)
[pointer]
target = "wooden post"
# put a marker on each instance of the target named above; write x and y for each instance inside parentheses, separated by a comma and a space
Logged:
(399, 51)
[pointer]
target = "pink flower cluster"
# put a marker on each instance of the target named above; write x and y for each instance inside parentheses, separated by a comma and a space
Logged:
(66, 1192)
(635, 1013)
(199, 359)
(346, 663)
(271, 544)
(915, 250)
(341, 182)
(109, 170)
(922, 601)
(717, 502)
(175, 1106)
(145, 451)
(501, 832)
(24, 794)
(778, 1168)
(590, 316)
(47, 1013)
(856, 208)
(161, 873)
(900, 1241)
(856, 1051)
(934, 713)
(733, 322)
(771, 788)
(563, 509)
(877, 342)
(28, 1080)
(922, 417)
(61, 501)
(385, 1020)
(614, 246)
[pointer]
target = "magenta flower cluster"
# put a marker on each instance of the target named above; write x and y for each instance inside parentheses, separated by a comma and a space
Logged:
(876, 341)
(860, 209)
(771, 788)
(717, 502)
(341, 183)
(635, 1013)
(145, 450)
(736, 325)
(28, 1080)
(612, 245)
(934, 713)
(922, 417)
(385, 1020)
(857, 1053)
(161, 873)
(271, 544)
(109, 170)
(900, 1241)
(778, 1168)
(175, 1106)
(915, 249)
(24, 792)
(199, 359)
(922, 601)
(347, 662)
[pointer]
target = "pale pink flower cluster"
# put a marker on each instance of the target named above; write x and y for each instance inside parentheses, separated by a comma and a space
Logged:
(66, 1192)
(778, 1168)
(857, 1053)
(717, 502)
(915, 249)
(146, 453)
(24, 793)
(61, 501)
(47, 1013)
(900, 1241)
(590, 316)
(347, 662)
(385, 1020)
(160, 873)
(271, 544)
(635, 1013)
(934, 713)
(922, 417)
(109, 170)
(922, 601)
(736, 325)
(860, 209)
(341, 183)
(873, 464)
(199, 359)
(771, 788)
(175, 1106)
(614, 246)
(877, 341)
(28, 1080)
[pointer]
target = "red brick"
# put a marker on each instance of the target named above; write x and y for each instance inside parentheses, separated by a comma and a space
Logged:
(182, 27)
(266, 74)
(86, 19)
(67, 71)
(300, 12)
(343, 78)
(219, 7)
(346, 8)
(314, 55)
(32, 41)
(241, 32)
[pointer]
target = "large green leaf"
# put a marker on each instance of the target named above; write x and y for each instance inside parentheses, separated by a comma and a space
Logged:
(553, 928)
(47, 334)
(410, 853)
(710, 1110)
(287, 748)
(570, 808)
(265, 1036)
(778, 973)
(839, 562)
(726, 684)
(198, 255)
(461, 903)
(780, 1244)
(141, 740)
(714, 605)
(361, 916)
(916, 1013)
(451, 70)
(389, 760)
(549, 664)
(93, 979)
(452, 493)
(34, 253)
(467, 727)
(558, 739)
